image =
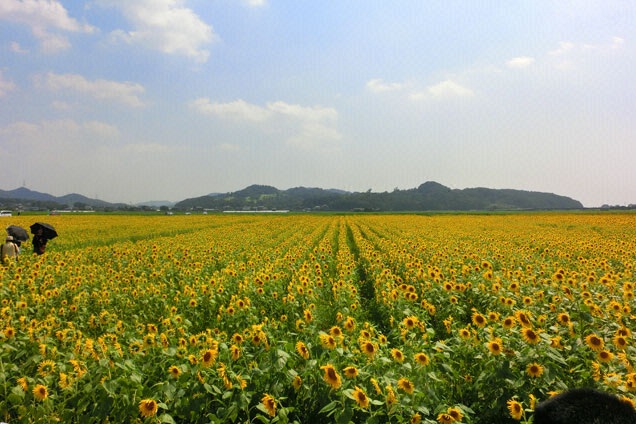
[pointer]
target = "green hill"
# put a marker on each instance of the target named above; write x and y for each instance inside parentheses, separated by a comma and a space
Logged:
(429, 196)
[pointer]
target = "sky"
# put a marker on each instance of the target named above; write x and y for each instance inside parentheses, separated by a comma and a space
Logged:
(139, 100)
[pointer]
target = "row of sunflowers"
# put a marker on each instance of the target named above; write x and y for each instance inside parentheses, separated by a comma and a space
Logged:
(316, 318)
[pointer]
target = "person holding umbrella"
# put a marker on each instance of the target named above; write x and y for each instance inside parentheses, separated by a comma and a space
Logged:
(19, 234)
(39, 242)
(9, 250)
(42, 233)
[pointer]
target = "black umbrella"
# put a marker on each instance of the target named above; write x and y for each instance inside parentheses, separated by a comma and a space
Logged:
(47, 230)
(18, 233)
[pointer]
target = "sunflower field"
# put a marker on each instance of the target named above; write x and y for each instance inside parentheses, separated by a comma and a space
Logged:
(222, 318)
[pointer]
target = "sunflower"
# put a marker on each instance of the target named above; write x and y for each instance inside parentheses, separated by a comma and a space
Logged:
(22, 382)
(135, 347)
(464, 333)
(148, 407)
(360, 397)
(297, 382)
(495, 346)
(302, 350)
(531, 336)
(350, 372)
(237, 338)
(416, 419)
(456, 413)
(209, 357)
(174, 371)
(368, 349)
(406, 385)
(410, 322)
(259, 337)
(596, 371)
(444, 418)
(364, 335)
(331, 376)
(350, 324)
(524, 318)
(478, 319)
(620, 342)
(46, 367)
(555, 342)
(391, 399)
(235, 351)
(9, 332)
(448, 323)
(149, 340)
(515, 409)
(624, 331)
(422, 358)
(397, 355)
(563, 318)
(269, 403)
(605, 356)
(594, 342)
(40, 392)
(327, 341)
(64, 382)
(335, 331)
(241, 381)
(376, 386)
(534, 370)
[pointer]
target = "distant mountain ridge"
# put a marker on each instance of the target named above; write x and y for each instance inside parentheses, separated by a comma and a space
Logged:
(429, 196)
(27, 197)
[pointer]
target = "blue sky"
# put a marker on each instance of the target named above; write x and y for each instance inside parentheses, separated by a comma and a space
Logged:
(138, 100)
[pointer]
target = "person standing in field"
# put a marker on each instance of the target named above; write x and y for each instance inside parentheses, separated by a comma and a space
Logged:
(9, 250)
(39, 242)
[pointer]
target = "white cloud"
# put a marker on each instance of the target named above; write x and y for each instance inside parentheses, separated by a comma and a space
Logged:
(61, 129)
(17, 48)
(520, 62)
(102, 129)
(309, 127)
(564, 47)
(43, 17)
(19, 129)
(378, 85)
(617, 42)
(5, 86)
(255, 3)
(122, 92)
(571, 56)
(315, 136)
(238, 109)
(309, 114)
(444, 89)
(164, 25)
(242, 110)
